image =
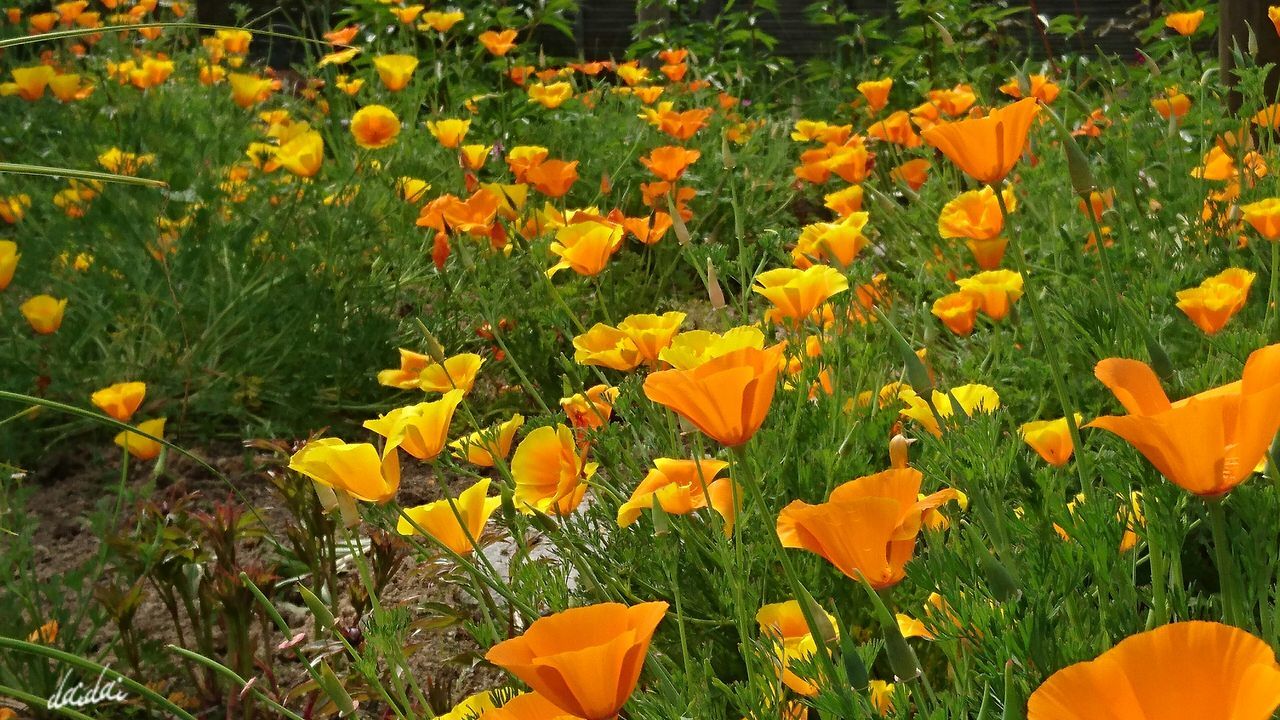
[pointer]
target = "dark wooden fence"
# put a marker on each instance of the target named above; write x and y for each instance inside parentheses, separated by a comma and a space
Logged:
(604, 28)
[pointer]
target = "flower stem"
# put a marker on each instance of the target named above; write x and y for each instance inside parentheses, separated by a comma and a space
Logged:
(1273, 298)
(1222, 557)
(1055, 362)
(1159, 614)
(1107, 282)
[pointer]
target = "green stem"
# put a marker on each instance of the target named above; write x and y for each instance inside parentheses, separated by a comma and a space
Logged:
(1273, 298)
(1159, 614)
(1055, 361)
(1222, 557)
(1107, 281)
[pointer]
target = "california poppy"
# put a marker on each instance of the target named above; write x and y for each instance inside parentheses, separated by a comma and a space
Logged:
(896, 129)
(553, 178)
(995, 291)
(670, 161)
(302, 155)
(1217, 299)
(483, 447)
(355, 468)
(606, 346)
(651, 333)
(838, 242)
(868, 527)
(1040, 87)
(1200, 670)
(1184, 23)
(682, 486)
(395, 71)
(1206, 444)
(139, 446)
(550, 96)
(44, 313)
(498, 43)
(458, 371)
(8, 262)
(876, 92)
(585, 660)
(525, 706)
(958, 311)
(550, 471)
(785, 626)
(797, 293)
(450, 132)
(986, 148)
(585, 246)
(439, 21)
(971, 398)
(1263, 215)
(120, 400)
(375, 126)
(1051, 439)
(590, 409)
(440, 519)
(420, 430)
(727, 397)
(695, 347)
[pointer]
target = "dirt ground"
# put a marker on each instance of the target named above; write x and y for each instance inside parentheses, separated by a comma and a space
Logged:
(66, 493)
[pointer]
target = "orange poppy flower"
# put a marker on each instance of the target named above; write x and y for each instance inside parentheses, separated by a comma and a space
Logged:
(420, 430)
(994, 290)
(549, 472)
(896, 129)
(986, 148)
(355, 468)
(449, 133)
(648, 230)
(44, 313)
(9, 257)
(954, 102)
(553, 178)
(1217, 299)
(139, 446)
(681, 487)
(795, 293)
(439, 519)
(121, 400)
(1174, 104)
(912, 172)
(669, 162)
(585, 247)
(498, 43)
(395, 71)
(591, 409)
(958, 311)
(1184, 23)
(343, 36)
(458, 372)
(375, 126)
(868, 527)
(1264, 216)
(606, 346)
(651, 333)
(727, 397)
(1206, 444)
(440, 22)
(838, 242)
(1200, 670)
(1051, 439)
(785, 626)
(525, 706)
(1041, 87)
(844, 202)
(483, 447)
(876, 92)
(585, 660)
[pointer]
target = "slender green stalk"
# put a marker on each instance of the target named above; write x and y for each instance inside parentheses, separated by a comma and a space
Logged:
(46, 171)
(231, 675)
(1226, 568)
(1057, 371)
(1107, 282)
(1273, 298)
(1159, 614)
(160, 701)
(39, 702)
